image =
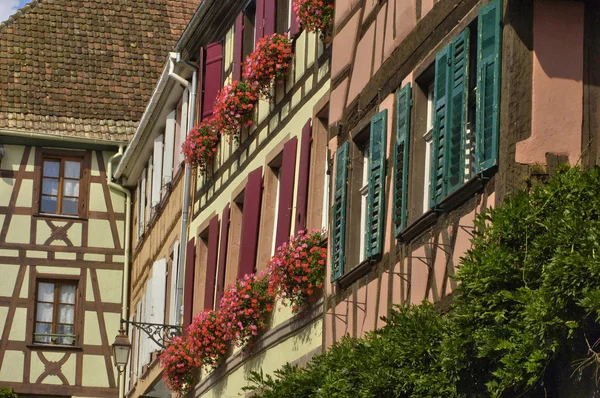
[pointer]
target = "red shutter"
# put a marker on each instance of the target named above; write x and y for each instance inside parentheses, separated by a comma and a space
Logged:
(286, 192)
(259, 20)
(295, 25)
(269, 17)
(211, 263)
(250, 222)
(302, 199)
(213, 71)
(222, 254)
(199, 102)
(188, 294)
(238, 47)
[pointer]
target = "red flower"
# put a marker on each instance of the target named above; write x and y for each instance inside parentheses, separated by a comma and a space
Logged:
(314, 15)
(268, 63)
(233, 107)
(201, 144)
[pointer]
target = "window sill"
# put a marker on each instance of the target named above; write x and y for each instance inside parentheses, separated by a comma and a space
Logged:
(451, 202)
(54, 347)
(59, 216)
(356, 273)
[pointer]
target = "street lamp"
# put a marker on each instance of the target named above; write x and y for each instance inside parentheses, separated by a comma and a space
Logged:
(121, 349)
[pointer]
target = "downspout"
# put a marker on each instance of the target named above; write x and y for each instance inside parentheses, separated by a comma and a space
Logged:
(186, 192)
(127, 252)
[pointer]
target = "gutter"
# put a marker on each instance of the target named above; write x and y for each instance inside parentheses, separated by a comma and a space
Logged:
(186, 194)
(56, 137)
(127, 250)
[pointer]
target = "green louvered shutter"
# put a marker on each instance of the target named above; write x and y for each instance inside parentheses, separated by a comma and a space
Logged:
(339, 213)
(437, 186)
(401, 158)
(488, 85)
(376, 193)
(458, 88)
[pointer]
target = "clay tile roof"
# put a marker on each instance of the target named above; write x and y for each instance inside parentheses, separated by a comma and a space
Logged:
(85, 67)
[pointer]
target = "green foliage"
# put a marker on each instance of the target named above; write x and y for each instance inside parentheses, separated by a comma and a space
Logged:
(528, 296)
(7, 393)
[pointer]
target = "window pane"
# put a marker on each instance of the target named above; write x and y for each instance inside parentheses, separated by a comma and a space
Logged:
(69, 206)
(71, 187)
(66, 313)
(65, 329)
(49, 204)
(44, 312)
(51, 168)
(46, 292)
(72, 169)
(67, 294)
(50, 186)
(43, 328)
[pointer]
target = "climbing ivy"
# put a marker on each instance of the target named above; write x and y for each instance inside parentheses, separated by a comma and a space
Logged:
(527, 306)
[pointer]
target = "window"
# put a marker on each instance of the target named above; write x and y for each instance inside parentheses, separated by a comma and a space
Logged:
(366, 159)
(277, 172)
(284, 16)
(326, 191)
(428, 137)
(249, 34)
(61, 180)
(55, 312)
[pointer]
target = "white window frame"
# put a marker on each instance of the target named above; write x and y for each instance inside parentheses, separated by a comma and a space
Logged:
(428, 137)
(326, 193)
(364, 193)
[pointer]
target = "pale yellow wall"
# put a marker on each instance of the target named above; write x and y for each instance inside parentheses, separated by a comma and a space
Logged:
(92, 329)
(12, 157)
(9, 278)
(289, 350)
(110, 285)
(93, 371)
(12, 366)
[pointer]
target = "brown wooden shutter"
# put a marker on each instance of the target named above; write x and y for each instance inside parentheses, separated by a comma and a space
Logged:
(286, 192)
(250, 223)
(211, 263)
(188, 294)
(269, 17)
(259, 21)
(302, 199)
(213, 71)
(200, 90)
(222, 255)
(238, 44)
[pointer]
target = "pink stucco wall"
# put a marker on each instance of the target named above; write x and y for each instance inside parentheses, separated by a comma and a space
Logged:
(361, 72)
(343, 44)
(426, 6)
(557, 97)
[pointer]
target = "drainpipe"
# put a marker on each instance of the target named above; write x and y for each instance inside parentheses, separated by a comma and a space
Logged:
(186, 191)
(127, 253)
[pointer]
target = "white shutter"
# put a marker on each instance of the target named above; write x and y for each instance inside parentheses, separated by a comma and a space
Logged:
(129, 370)
(184, 124)
(157, 170)
(135, 356)
(138, 212)
(169, 146)
(142, 206)
(147, 344)
(173, 318)
(149, 190)
(159, 287)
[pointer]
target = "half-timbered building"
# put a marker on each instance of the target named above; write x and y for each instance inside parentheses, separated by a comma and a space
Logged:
(74, 81)
(438, 110)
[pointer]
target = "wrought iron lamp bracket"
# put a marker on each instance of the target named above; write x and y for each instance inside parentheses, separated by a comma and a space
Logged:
(158, 333)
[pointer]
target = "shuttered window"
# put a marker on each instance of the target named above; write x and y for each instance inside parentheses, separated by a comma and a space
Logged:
(304, 167)
(188, 295)
(269, 17)
(458, 86)
(339, 212)
(211, 263)
(286, 192)
(437, 186)
(213, 76)
(238, 49)
(250, 223)
(222, 255)
(376, 177)
(401, 152)
(488, 85)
